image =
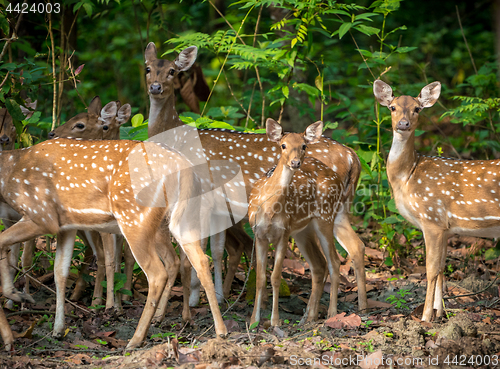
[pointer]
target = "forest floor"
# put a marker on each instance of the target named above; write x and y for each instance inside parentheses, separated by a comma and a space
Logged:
(389, 335)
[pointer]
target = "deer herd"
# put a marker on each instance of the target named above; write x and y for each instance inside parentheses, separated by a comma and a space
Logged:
(190, 185)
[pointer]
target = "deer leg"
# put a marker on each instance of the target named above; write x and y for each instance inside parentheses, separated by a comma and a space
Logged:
(108, 246)
(199, 262)
(186, 286)
(217, 242)
(129, 268)
(64, 253)
(260, 283)
(324, 232)
(435, 242)
(27, 261)
(13, 257)
(172, 264)
(23, 230)
(279, 256)
(234, 250)
(308, 247)
(438, 297)
(143, 249)
(242, 242)
(6, 332)
(96, 244)
(194, 297)
(356, 248)
(80, 284)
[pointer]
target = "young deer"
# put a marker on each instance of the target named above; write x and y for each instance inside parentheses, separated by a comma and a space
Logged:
(298, 196)
(255, 154)
(440, 196)
(60, 186)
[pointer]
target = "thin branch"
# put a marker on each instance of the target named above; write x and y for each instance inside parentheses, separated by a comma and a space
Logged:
(465, 40)
(51, 34)
(256, 68)
(138, 25)
(235, 98)
(14, 34)
(37, 282)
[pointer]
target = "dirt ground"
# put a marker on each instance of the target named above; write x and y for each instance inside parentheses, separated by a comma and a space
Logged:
(389, 335)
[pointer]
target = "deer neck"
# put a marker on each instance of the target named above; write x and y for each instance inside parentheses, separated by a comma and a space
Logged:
(402, 158)
(162, 115)
(276, 187)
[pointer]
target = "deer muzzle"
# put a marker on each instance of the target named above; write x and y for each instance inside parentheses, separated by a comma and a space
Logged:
(403, 125)
(155, 89)
(295, 164)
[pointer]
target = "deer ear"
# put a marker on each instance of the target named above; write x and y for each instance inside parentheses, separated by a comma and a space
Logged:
(28, 105)
(383, 92)
(274, 130)
(151, 52)
(108, 112)
(123, 114)
(313, 133)
(186, 58)
(429, 94)
(95, 106)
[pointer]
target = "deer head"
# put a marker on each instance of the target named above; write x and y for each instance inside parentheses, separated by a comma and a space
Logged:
(405, 109)
(160, 73)
(97, 123)
(293, 145)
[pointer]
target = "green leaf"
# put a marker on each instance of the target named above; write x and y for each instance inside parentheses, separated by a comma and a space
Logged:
(220, 125)
(294, 41)
(369, 31)
(344, 28)
(4, 24)
(137, 120)
(14, 110)
(390, 220)
(405, 49)
(285, 91)
(492, 253)
(254, 325)
(88, 9)
(318, 81)
(102, 342)
(392, 206)
(330, 125)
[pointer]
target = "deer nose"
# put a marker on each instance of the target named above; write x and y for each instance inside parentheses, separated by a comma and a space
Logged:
(295, 164)
(403, 125)
(4, 140)
(155, 88)
(52, 134)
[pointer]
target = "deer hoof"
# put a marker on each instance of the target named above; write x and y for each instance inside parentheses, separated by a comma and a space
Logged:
(17, 296)
(57, 335)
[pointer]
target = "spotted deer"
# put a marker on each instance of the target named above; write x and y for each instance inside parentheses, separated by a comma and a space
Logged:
(100, 123)
(441, 196)
(298, 196)
(94, 119)
(9, 216)
(61, 186)
(255, 154)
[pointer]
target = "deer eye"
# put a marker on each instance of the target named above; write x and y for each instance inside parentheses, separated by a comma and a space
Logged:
(148, 70)
(417, 110)
(283, 146)
(105, 128)
(80, 125)
(392, 108)
(171, 72)
(304, 147)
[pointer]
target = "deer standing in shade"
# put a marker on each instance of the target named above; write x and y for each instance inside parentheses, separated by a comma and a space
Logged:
(255, 154)
(60, 186)
(298, 196)
(441, 196)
